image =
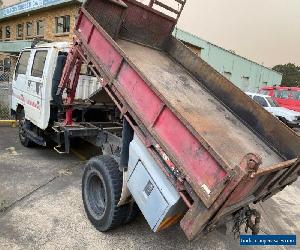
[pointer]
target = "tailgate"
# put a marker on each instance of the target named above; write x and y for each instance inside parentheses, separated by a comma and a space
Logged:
(262, 185)
(248, 187)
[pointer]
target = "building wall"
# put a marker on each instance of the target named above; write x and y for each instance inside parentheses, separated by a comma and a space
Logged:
(10, 2)
(246, 74)
(9, 48)
(48, 17)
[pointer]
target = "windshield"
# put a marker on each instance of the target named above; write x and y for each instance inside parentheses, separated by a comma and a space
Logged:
(272, 102)
(264, 92)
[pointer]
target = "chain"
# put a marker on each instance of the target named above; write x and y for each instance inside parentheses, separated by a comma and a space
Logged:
(245, 217)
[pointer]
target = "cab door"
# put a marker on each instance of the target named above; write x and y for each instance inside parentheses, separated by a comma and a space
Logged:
(36, 84)
(20, 80)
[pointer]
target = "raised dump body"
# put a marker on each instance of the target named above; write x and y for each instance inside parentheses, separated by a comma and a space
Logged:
(223, 150)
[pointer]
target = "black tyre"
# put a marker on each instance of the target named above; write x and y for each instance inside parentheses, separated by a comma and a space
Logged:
(25, 141)
(132, 212)
(101, 192)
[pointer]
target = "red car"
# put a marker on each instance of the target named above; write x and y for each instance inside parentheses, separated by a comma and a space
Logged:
(288, 97)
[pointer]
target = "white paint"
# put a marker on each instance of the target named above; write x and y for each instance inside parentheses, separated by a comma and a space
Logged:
(206, 189)
(37, 103)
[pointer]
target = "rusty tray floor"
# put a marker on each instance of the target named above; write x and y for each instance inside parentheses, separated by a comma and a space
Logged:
(213, 122)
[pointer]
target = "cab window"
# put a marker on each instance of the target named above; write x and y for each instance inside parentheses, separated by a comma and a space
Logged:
(23, 63)
(39, 63)
(260, 100)
(296, 95)
(282, 94)
(264, 92)
(272, 102)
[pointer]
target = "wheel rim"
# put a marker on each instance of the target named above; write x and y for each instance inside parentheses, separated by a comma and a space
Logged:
(96, 194)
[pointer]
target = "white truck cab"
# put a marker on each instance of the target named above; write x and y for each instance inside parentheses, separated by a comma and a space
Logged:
(32, 82)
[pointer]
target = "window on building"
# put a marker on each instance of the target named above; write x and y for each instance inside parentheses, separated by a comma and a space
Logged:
(39, 63)
(7, 64)
(7, 32)
(260, 100)
(29, 29)
(245, 83)
(62, 24)
(22, 63)
(40, 28)
(20, 30)
(227, 74)
(1, 33)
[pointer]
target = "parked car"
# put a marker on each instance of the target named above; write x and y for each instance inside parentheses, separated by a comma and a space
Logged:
(288, 97)
(289, 117)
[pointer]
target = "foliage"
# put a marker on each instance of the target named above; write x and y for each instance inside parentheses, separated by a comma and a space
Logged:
(291, 74)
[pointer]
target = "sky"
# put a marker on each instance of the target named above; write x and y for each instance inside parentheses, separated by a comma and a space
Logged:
(266, 31)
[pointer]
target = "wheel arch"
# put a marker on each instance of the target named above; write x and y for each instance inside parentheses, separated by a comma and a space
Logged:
(19, 110)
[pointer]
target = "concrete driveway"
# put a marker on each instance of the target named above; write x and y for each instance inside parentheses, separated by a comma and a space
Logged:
(41, 208)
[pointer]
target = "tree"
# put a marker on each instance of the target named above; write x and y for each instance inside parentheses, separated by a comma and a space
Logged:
(291, 74)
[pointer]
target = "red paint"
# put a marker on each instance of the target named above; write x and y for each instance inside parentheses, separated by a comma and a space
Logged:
(85, 27)
(138, 93)
(69, 117)
(288, 97)
(33, 104)
(157, 25)
(29, 102)
(105, 51)
(198, 163)
(243, 190)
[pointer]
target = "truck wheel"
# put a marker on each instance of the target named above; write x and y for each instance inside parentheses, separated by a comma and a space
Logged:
(25, 141)
(132, 212)
(101, 191)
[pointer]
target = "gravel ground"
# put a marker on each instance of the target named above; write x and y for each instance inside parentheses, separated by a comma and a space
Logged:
(40, 199)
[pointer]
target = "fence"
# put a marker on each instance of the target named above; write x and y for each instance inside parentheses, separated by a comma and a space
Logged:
(5, 96)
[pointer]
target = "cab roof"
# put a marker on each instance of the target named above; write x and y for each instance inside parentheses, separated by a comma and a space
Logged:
(58, 45)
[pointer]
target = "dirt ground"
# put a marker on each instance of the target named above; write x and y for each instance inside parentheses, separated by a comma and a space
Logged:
(41, 208)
